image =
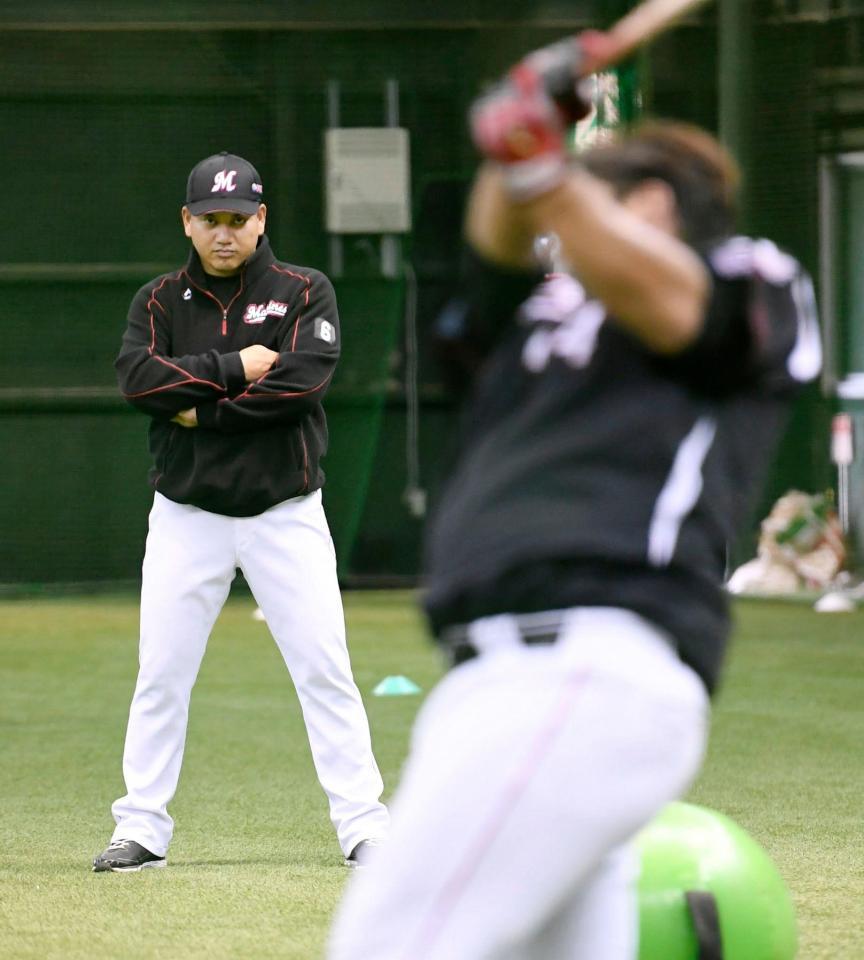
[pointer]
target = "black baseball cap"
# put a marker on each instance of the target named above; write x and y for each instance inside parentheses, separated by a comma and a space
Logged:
(224, 182)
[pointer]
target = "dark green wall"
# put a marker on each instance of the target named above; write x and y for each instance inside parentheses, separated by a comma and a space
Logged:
(103, 109)
(298, 14)
(100, 125)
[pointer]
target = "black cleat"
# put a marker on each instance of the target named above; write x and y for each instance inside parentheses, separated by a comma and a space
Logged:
(359, 856)
(126, 856)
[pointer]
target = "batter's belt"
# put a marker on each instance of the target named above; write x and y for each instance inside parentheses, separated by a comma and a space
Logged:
(530, 629)
(462, 642)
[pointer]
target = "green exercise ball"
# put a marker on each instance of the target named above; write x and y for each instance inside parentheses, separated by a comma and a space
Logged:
(687, 849)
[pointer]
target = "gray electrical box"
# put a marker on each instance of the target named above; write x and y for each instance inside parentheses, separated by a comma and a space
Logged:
(367, 180)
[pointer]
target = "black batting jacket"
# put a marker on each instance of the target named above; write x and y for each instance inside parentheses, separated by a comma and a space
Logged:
(592, 472)
(256, 444)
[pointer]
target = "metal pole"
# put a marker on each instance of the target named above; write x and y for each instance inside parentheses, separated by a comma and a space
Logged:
(337, 250)
(843, 455)
(389, 246)
(735, 88)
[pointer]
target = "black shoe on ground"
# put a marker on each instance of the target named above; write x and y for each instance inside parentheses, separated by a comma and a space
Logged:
(126, 856)
(359, 856)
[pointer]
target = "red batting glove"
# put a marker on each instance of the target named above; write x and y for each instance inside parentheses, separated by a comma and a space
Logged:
(521, 123)
(522, 132)
(509, 127)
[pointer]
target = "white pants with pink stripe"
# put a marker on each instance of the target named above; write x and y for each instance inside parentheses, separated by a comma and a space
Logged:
(287, 557)
(531, 769)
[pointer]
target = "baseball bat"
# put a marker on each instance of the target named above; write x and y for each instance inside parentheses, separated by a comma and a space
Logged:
(634, 29)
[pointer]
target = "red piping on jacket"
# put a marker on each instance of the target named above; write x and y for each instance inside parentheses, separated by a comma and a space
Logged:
(308, 282)
(152, 348)
(305, 459)
(150, 303)
(275, 396)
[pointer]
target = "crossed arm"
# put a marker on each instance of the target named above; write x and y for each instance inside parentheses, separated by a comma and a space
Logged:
(241, 390)
(257, 360)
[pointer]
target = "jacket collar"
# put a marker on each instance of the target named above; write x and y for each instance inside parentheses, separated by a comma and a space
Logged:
(254, 267)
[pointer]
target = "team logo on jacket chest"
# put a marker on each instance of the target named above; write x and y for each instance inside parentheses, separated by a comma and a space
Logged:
(258, 312)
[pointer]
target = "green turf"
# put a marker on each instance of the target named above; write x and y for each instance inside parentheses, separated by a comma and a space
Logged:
(787, 762)
(254, 867)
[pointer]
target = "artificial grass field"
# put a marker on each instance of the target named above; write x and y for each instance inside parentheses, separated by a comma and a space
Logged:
(254, 868)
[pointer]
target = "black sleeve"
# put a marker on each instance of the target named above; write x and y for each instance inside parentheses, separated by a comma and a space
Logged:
(153, 380)
(298, 380)
(760, 329)
(480, 312)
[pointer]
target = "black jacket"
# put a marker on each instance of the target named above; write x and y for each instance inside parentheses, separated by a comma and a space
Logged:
(593, 472)
(256, 444)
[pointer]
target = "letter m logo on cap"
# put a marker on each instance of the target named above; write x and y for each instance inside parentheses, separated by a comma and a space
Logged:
(223, 182)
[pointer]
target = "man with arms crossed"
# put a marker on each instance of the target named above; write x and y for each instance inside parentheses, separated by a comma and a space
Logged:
(620, 420)
(230, 357)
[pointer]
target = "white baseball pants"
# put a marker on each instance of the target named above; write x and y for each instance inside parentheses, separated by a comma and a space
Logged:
(531, 769)
(287, 557)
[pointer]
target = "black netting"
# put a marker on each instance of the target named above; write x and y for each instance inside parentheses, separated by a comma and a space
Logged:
(100, 125)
